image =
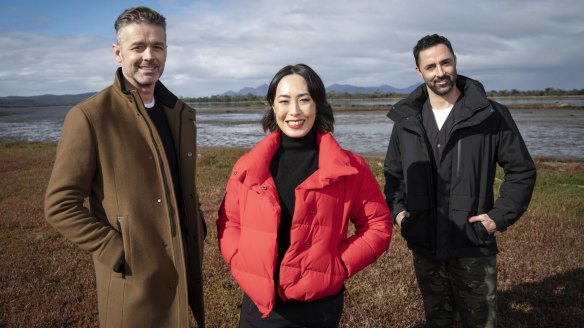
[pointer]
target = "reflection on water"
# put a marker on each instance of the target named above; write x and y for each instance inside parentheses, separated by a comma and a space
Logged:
(32, 123)
(557, 132)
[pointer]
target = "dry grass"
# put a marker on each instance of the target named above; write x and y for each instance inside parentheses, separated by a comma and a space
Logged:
(45, 281)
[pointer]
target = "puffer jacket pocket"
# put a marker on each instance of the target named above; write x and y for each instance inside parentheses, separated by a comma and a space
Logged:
(311, 277)
(463, 232)
(417, 228)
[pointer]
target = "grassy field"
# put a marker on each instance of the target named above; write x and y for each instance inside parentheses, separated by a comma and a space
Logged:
(45, 281)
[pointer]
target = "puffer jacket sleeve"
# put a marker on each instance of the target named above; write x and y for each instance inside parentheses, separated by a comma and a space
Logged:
(394, 188)
(70, 183)
(372, 220)
(228, 221)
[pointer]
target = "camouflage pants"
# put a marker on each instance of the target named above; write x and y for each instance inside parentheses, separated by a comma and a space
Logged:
(458, 291)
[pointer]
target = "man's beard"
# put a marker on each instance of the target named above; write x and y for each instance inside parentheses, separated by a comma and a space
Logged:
(444, 89)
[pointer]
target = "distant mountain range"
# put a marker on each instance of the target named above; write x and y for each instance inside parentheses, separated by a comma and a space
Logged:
(258, 91)
(337, 88)
(369, 90)
(70, 100)
(44, 100)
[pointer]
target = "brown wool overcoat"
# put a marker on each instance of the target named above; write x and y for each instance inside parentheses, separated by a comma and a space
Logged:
(110, 154)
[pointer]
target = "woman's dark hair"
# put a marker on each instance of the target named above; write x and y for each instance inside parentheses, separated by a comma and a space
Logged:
(429, 41)
(324, 121)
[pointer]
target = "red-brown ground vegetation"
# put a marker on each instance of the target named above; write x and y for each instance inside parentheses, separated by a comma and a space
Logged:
(45, 281)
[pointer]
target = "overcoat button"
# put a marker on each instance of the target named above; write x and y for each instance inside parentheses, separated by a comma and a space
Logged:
(264, 188)
(308, 245)
(189, 154)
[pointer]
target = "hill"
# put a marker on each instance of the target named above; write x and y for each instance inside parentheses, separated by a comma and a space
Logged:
(44, 100)
(261, 90)
(347, 88)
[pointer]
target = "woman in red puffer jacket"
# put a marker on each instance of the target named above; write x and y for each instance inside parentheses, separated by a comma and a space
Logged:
(283, 224)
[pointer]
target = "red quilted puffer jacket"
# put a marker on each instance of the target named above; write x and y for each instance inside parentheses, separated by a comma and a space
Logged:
(321, 255)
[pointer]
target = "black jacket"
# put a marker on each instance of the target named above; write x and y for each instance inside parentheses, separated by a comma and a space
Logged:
(484, 135)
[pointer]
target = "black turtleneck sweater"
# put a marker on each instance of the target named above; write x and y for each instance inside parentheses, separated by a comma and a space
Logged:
(295, 160)
(158, 117)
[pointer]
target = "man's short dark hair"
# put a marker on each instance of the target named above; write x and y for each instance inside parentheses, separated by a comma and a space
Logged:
(138, 15)
(429, 41)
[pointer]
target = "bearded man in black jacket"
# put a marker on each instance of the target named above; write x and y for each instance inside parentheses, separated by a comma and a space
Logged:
(446, 143)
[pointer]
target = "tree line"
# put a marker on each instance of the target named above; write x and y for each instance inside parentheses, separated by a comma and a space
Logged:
(250, 98)
(547, 92)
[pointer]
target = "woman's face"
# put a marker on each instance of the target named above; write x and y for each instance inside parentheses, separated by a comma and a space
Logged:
(294, 109)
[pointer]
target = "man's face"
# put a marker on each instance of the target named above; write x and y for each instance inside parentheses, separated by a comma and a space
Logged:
(437, 66)
(142, 53)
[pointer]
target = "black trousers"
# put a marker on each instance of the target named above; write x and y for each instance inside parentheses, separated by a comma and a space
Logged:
(322, 313)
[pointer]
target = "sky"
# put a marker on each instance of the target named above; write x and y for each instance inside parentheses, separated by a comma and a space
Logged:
(64, 47)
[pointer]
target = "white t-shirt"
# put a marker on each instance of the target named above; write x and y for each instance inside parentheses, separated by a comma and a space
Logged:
(150, 104)
(440, 115)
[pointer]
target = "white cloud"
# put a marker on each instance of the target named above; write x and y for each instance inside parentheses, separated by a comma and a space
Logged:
(220, 46)
(35, 64)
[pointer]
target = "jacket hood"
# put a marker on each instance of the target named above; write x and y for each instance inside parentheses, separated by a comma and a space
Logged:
(475, 99)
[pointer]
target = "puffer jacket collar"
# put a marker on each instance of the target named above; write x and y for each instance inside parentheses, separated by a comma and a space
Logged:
(475, 102)
(333, 162)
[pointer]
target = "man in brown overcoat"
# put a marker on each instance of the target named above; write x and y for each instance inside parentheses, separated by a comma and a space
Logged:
(130, 151)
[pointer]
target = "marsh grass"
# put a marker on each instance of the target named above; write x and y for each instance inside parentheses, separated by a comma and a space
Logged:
(45, 281)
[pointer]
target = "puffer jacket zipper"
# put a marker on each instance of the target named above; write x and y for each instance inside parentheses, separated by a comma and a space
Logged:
(458, 154)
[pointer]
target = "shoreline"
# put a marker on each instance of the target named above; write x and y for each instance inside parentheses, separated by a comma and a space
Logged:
(360, 108)
(558, 161)
(551, 106)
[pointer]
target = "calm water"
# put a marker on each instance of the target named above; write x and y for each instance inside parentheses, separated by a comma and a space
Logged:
(558, 132)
